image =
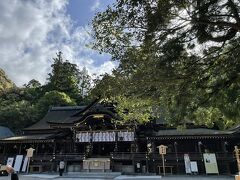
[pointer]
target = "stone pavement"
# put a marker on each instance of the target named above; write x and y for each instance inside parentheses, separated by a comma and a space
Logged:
(122, 177)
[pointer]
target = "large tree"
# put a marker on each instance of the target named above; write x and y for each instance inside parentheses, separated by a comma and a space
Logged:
(184, 54)
(64, 77)
(85, 82)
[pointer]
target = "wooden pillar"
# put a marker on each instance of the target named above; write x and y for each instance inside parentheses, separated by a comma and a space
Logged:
(224, 145)
(200, 147)
(116, 142)
(20, 148)
(53, 156)
(4, 149)
(1, 148)
(54, 147)
(176, 155)
(149, 151)
(37, 148)
(74, 148)
(200, 164)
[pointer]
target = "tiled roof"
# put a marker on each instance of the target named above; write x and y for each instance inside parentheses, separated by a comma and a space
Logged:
(194, 133)
(29, 138)
(57, 115)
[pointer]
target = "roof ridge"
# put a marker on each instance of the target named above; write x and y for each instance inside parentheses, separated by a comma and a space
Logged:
(66, 108)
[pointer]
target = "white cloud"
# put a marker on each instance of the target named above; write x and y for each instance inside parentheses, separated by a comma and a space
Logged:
(31, 32)
(96, 5)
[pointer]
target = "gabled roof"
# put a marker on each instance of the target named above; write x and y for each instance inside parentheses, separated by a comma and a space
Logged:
(5, 132)
(71, 118)
(80, 117)
(235, 129)
(29, 138)
(69, 115)
(57, 115)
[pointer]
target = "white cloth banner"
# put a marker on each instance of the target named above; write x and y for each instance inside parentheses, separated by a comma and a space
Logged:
(107, 136)
(112, 135)
(120, 136)
(100, 136)
(83, 137)
(125, 136)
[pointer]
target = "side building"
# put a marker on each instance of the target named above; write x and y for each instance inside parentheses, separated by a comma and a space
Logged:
(89, 138)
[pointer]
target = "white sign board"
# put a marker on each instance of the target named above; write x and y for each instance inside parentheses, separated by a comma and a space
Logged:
(210, 163)
(10, 161)
(30, 152)
(24, 167)
(18, 163)
(194, 167)
(187, 164)
(162, 149)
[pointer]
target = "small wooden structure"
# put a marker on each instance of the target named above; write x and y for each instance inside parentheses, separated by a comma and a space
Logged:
(96, 164)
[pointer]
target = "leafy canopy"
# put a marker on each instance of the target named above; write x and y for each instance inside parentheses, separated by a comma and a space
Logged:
(182, 54)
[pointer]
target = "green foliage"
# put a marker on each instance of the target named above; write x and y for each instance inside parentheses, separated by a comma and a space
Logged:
(15, 111)
(108, 86)
(21, 107)
(85, 82)
(164, 54)
(64, 77)
(33, 84)
(17, 115)
(53, 98)
(133, 110)
(211, 116)
(33, 91)
(5, 82)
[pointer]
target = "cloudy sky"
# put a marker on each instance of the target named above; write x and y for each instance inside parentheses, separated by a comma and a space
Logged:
(32, 31)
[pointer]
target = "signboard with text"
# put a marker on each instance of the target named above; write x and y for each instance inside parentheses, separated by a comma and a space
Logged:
(162, 149)
(210, 163)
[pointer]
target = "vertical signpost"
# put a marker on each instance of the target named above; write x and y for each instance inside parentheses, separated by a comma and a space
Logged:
(29, 155)
(237, 153)
(162, 152)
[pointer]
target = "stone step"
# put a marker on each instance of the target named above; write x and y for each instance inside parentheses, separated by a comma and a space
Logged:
(105, 175)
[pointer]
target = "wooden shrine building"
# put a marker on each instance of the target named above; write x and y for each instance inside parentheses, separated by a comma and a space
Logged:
(88, 139)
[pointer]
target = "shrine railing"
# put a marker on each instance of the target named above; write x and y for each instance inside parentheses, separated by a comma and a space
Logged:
(169, 156)
(125, 156)
(58, 157)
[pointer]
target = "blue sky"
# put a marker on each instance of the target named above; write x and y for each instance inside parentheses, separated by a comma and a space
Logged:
(82, 11)
(31, 32)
